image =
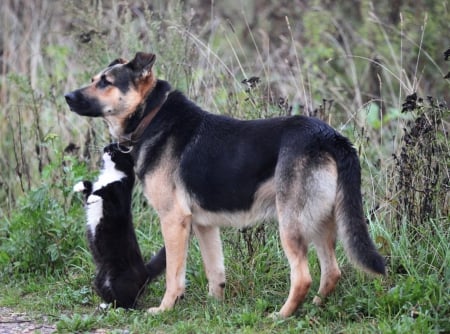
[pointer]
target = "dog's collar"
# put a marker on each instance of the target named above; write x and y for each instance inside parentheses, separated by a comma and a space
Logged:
(130, 139)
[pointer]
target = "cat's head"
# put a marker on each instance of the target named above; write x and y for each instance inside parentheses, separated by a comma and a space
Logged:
(119, 156)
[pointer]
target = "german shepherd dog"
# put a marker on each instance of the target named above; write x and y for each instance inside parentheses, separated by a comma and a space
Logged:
(121, 275)
(205, 171)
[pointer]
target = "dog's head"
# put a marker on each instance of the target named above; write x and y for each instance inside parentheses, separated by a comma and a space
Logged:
(116, 91)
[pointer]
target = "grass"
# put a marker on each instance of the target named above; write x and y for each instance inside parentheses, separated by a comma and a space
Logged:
(413, 298)
(353, 71)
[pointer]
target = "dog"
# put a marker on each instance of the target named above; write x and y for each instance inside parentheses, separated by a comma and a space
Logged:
(203, 171)
(121, 274)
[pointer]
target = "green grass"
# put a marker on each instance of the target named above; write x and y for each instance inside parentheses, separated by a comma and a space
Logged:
(412, 299)
(354, 71)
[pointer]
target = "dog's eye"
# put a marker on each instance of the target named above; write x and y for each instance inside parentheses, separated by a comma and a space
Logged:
(103, 82)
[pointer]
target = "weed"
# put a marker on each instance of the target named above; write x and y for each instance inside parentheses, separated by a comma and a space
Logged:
(76, 323)
(423, 178)
(44, 234)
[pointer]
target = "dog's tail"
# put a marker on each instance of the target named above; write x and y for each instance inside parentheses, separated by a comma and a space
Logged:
(157, 264)
(349, 213)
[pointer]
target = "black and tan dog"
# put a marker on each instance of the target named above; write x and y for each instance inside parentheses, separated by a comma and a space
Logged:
(205, 171)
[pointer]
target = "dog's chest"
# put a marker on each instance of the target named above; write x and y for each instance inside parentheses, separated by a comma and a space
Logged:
(164, 193)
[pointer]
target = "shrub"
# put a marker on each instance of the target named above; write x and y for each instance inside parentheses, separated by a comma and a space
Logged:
(421, 168)
(45, 231)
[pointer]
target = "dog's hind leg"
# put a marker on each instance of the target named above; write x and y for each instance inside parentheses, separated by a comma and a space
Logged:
(296, 250)
(212, 254)
(306, 192)
(330, 274)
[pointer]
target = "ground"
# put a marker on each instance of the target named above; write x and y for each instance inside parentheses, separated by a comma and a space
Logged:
(12, 322)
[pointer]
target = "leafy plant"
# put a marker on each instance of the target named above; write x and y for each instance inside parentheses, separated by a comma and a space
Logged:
(76, 323)
(47, 229)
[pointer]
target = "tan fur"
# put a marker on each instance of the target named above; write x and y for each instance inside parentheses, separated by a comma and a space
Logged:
(159, 187)
(146, 85)
(263, 209)
(116, 106)
(212, 254)
(162, 194)
(296, 250)
(330, 273)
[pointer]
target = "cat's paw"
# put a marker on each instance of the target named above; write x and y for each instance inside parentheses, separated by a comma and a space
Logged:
(79, 187)
(93, 199)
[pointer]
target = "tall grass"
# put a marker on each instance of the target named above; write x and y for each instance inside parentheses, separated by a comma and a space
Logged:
(354, 69)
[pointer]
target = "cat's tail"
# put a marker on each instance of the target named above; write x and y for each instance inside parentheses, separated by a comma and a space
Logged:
(157, 264)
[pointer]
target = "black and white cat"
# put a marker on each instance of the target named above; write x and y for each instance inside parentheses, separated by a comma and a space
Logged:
(121, 272)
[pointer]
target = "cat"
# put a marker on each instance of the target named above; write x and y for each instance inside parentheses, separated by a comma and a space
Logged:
(121, 274)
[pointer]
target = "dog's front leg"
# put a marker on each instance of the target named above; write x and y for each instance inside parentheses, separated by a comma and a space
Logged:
(175, 230)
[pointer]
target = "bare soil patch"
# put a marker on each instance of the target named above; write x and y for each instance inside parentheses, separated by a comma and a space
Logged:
(12, 322)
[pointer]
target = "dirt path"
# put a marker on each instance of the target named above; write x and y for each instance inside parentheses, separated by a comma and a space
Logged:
(12, 322)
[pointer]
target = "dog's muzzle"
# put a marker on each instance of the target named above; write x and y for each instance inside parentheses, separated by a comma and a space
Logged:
(83, 105)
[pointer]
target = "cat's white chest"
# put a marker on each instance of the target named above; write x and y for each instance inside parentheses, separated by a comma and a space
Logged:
(108, 174)
(94, 212)
(94, 203)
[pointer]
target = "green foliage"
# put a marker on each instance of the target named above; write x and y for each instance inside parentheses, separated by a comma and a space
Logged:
(47, 228)
(410, 301)
(76, 323)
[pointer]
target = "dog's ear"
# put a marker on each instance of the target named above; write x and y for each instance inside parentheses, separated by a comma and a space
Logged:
(142, 63)
(118, 61)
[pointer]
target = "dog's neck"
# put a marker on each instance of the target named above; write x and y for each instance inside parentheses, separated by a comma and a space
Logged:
(137, 123)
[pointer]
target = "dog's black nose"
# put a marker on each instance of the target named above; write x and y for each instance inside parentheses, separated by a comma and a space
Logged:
(70, 97)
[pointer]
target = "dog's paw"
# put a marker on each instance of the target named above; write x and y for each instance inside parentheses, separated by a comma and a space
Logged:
(275, 316)
(79, 187)
(155, 310)
(93, 199)
(317, 301)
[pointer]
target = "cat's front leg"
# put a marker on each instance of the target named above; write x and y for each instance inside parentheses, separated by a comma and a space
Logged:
(93, 199)
(83, 186)
(79, 187)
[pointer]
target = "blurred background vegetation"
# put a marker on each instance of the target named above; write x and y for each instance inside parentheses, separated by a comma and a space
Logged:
(352, 64)
(374, 70)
